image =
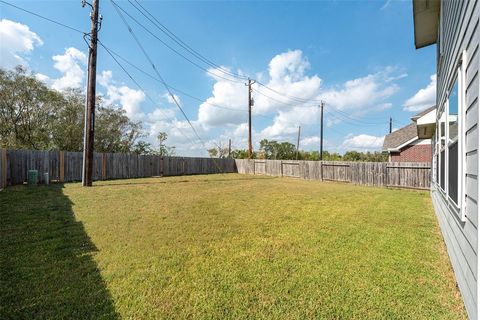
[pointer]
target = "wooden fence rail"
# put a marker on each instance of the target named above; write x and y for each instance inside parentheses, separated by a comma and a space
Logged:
(63, 166)
(388, 174)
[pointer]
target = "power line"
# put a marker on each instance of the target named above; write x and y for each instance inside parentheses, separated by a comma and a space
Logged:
(171, 35)
(118, 7)
(297, 99)
(157, 72)
(141, 88)
(164, 83)
(181, 91)
(43, 17)
(180, 42)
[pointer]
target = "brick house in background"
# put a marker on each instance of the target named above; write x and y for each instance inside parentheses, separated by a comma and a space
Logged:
(407, 144)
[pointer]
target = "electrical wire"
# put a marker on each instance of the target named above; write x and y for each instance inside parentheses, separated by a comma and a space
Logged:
(43, 17)
(180, 42)
(180, 91)
(141, 88)
(174, 99)
(118, 7)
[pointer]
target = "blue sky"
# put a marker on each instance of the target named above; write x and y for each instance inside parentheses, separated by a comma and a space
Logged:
(358, 56)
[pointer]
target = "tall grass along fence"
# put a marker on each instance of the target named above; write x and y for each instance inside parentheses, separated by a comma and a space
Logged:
(65, 166)
(381, 174)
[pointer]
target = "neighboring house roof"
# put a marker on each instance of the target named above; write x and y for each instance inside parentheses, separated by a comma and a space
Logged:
(426, 14)
(397, 139)
(426, 122)
(423, 113)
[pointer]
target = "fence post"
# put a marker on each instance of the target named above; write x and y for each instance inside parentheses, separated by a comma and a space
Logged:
(321, 170)
(161, 166)
(62, 166)
(281, 168)
(104, 166)
(385, 176)
(3, 182)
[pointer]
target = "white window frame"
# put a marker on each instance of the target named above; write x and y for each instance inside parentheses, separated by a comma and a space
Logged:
(459, 207)
(462, 161)
(443, 113)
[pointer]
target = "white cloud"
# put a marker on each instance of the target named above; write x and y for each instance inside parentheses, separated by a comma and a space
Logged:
(71, 65)
(171, 99)
(227, 105)
(310, 142)
(424, 98)
(386, 4)
(128, 98)
(286, 122)
(364, 94)
(287, 77)
(16, 41)
(362, 141)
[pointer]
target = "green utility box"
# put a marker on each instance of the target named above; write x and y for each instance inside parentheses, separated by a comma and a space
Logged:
(32, 177)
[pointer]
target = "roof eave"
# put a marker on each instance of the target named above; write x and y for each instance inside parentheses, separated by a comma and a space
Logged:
(426, 15)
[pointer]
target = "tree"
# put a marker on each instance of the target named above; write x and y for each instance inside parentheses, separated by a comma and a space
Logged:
(27, 110)
(218, 151)
(241, 154)
(67, 131)
(163, 149)
(114, 131)
(143, 147)
(33, 116)
(274, 150)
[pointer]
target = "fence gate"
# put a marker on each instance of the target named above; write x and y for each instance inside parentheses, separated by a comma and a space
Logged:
(259, 167)
(291, 169)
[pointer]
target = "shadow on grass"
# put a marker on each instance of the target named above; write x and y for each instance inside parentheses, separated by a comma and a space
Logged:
(46, 264)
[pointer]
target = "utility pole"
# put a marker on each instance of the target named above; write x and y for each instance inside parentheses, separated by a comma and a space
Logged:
(321, 131)
(298, 143)
(229, 148)
(250, 104)
(89, 132)
(390, 124)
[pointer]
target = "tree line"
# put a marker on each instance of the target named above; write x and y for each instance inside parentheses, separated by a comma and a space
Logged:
(33, 116)
(274, 150)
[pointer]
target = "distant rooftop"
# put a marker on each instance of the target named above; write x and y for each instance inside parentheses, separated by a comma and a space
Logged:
(422, 113)
(400, 137)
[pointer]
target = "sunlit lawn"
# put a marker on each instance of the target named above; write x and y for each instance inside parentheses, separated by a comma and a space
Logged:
(222, 246)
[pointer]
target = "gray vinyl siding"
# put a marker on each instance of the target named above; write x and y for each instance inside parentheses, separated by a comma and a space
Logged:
(458, 31)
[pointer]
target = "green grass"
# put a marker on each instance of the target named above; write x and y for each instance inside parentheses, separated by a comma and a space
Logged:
(222, 246)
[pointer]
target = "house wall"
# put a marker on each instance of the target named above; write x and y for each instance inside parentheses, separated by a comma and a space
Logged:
(459, 31)
(413, 153)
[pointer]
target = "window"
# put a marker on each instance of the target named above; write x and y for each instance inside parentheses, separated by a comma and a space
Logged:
(450, 159)
(442, 125)
(453, 104)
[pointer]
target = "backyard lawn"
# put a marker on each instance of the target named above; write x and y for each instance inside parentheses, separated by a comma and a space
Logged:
(222, 246)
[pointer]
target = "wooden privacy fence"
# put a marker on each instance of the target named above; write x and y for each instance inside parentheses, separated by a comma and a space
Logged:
(387, 174)
(63, 166)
